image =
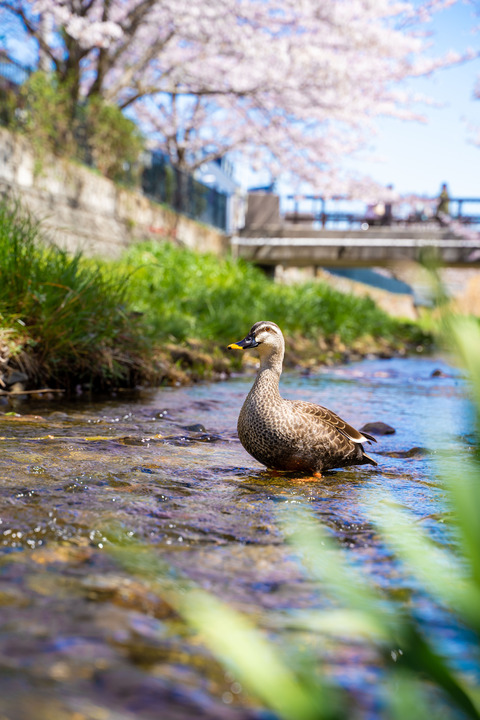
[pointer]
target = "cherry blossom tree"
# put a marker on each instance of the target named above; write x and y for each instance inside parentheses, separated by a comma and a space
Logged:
(293, 85)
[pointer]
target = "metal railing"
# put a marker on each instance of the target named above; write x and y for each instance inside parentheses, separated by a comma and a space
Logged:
(164, 183)
(321, 212)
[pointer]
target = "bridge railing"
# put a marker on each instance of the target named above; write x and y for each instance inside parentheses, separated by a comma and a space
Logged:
(320, 212)
(459, 213)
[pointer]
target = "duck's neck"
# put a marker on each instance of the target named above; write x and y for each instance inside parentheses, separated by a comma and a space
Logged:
(268, 375)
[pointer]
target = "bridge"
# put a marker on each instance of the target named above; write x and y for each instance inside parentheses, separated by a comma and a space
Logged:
(319, 238)
(383, 246)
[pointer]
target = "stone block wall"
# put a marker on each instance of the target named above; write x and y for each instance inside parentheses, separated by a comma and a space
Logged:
(81, 210)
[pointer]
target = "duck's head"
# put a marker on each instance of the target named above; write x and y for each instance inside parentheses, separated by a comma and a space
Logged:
(264, 335)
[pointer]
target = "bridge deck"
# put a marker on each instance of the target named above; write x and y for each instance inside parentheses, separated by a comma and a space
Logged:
(349, 248)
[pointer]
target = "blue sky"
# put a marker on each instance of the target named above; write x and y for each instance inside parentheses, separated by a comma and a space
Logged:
(419, 157)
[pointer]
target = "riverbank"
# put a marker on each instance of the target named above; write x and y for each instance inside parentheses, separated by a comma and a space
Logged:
(161, 314)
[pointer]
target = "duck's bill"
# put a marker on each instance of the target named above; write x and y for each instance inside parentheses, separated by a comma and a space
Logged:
(245, 344)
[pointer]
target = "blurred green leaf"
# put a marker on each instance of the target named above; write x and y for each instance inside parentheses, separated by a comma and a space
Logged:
(465, 334)
(258, 663)
(441, 573)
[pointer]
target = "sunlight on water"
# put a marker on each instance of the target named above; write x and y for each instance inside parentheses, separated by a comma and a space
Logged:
(78, 633)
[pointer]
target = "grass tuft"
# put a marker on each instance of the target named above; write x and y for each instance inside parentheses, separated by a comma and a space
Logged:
(183, 294)
(68, 315)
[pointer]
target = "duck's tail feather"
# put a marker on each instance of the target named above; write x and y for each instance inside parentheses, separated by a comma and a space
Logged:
(367, 460)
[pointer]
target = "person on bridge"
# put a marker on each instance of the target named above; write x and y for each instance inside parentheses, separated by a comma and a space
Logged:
(443, 203)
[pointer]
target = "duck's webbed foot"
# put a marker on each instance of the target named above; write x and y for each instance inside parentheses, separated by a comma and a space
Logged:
(314, 477)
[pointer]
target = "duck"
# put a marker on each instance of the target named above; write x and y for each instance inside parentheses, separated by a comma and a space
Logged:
(291, 435)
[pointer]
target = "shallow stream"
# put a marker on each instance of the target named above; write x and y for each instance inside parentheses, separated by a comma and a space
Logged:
(81, 638)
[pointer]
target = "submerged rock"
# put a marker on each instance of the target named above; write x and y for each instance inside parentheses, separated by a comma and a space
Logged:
(414, 453)
(438, 373)
(126, 592)
(196, 427)
(378, 428)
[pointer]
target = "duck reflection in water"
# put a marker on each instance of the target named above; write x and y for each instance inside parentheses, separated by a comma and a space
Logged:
(291, 435)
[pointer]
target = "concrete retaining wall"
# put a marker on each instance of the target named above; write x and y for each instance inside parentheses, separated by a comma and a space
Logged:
(82, 210)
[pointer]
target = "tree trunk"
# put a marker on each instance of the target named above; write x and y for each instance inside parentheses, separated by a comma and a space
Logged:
(180, 196)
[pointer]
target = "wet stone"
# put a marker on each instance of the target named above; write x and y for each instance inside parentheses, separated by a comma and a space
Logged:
(160, 414)
(209, 438)
(126, 592)
(129, 440)
(12, 595)
(66, 554)
(378, 428)
(414, 453)
(195, 427)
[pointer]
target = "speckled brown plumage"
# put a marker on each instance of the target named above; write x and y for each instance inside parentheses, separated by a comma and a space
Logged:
(291, 435)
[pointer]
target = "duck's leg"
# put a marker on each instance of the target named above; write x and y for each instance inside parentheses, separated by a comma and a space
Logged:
(275, 473)
(310, 478)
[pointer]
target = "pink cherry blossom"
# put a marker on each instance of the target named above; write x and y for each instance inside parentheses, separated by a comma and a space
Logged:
(292, 85)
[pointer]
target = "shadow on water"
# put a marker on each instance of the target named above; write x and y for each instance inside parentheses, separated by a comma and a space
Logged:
(82, 638)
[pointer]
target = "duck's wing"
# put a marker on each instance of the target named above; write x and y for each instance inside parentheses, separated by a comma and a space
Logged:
(331, 418)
